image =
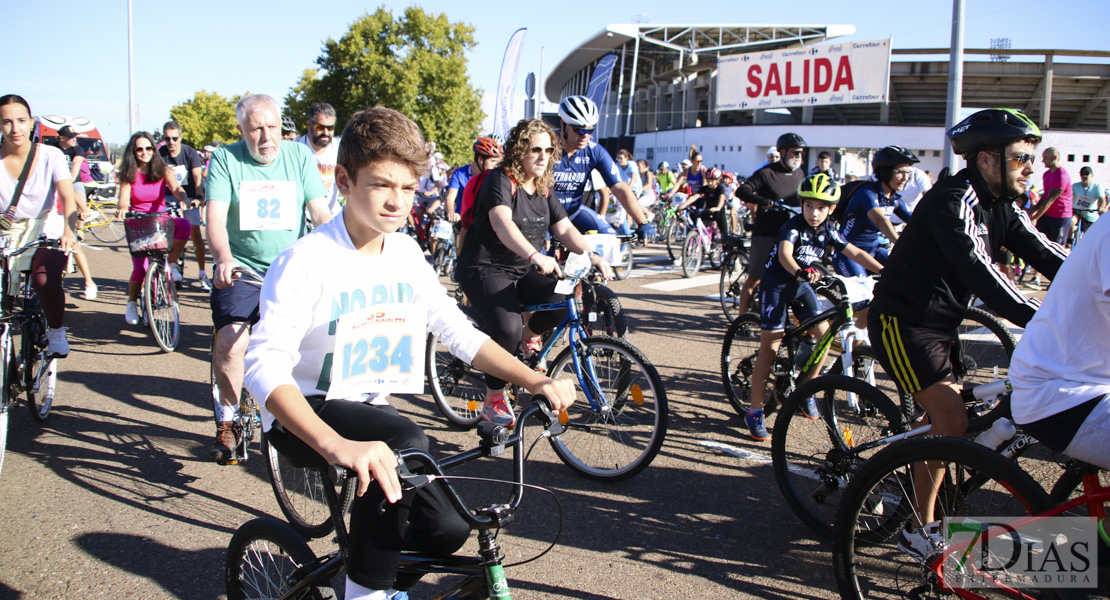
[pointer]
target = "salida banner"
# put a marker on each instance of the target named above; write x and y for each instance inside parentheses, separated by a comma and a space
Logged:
(846, 73)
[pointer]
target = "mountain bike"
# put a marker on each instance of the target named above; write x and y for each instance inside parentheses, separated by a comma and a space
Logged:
(976, 483)
(662, 221)
(443, 259)
(617, 425)
(734, 272)
(103, 221)
(701, 242)
(26, 369)
(268, 559)
(149, 236)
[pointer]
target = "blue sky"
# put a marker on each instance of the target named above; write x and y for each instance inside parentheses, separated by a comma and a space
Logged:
(232, 46)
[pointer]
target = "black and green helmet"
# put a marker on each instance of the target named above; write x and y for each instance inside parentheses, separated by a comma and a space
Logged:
(992, 127)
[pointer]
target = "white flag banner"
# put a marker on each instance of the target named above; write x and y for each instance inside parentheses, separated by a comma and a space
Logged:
(847, 73)
(506, 85)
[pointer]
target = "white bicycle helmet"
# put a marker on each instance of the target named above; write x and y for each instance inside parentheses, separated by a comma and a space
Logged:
(579, 111)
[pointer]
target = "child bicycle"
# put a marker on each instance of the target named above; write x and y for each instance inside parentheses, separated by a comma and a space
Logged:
(702, 241)
(616, 427)
(268, 559)
(149, 236)
(27, 370)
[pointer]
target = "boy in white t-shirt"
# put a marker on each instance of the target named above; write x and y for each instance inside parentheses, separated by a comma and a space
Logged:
(354, 263)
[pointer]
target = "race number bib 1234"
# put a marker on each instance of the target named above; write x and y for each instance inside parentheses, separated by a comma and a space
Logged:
(268, 205)
(379, 350)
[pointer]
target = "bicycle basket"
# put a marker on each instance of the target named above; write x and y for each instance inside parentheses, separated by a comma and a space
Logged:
(149, 237)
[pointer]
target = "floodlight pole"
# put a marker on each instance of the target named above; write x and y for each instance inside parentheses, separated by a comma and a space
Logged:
(955, 79)
(130, 77)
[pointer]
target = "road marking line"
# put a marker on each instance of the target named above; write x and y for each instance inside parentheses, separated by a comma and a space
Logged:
(757, 457)
(675, 285)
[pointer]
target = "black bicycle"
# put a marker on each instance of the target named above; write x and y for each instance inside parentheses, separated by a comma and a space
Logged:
(268, 559)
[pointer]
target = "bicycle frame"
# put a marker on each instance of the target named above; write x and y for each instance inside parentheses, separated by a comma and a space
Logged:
(571, 325)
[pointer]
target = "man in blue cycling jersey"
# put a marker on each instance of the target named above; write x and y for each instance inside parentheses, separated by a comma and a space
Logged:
(580, 156)
(867, 217)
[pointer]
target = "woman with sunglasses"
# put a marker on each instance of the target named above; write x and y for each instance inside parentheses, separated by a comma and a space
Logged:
(514, 210)
(144, 179)
(48, 177)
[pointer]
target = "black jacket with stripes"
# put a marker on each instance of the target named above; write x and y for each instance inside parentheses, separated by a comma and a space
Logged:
(946, 254)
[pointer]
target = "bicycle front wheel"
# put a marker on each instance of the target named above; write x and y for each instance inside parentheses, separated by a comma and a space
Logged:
(986, 346)
(613, 432)
(974, 482)
(161, 306)
(602, 310)
(814, 459)
(676, 234)
(106, 226)
(300, 494)
(457, 388)
(621, 271)
(692, 254)
(738, 354)
(6, 398)
(261, 559)
(734, 272)
(40, 374)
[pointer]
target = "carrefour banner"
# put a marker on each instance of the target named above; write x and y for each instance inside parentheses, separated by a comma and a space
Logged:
(847, 73)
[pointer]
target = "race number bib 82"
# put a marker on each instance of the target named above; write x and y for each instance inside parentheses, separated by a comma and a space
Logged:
(379, 350)
(268, 205)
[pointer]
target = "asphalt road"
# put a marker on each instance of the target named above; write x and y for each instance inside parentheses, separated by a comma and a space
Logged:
(115, 497)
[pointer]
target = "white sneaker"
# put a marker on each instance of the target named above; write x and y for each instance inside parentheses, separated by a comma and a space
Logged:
(920, 543)
(131, 314)
(175, 273)
(90, 291)
(57, 345)
(204, 283)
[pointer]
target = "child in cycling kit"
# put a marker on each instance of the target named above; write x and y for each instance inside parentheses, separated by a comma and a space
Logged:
(803, 242)
(344, 315)
(862, 231)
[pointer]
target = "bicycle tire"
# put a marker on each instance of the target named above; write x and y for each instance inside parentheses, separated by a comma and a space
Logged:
(734, 272)
(621, 270)
(457, 388)
(618, 440)
(738, 354)
(676, 235)
(162, 311)
(692, 254)
(808, 456)
(978, 482)
(40, 374)
(439, 258)
(300, 494)
(261, 559)
(106, 226)
(602, 304)
(986, 346)
(6, 398)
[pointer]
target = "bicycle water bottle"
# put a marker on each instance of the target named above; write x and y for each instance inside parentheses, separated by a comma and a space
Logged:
(1002, 430)
(805, 350)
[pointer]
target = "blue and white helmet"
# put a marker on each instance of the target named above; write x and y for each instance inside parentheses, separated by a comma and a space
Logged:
(579, 111)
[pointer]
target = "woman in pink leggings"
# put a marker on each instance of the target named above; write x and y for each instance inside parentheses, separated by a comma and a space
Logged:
(144, 179)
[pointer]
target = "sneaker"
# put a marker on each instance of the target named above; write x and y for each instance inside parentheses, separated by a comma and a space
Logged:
(131, 313)
(204, 283)
(175, 273)
(756, 428)
(534, 344)
(90, 291)
(497, 411)
(227, 439)
(809, 408)
(399, 595)
(57, 345)
(1031, 285)
(920, 543)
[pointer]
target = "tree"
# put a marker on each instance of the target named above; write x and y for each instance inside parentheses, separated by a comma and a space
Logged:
(415, 64)
(206, 118)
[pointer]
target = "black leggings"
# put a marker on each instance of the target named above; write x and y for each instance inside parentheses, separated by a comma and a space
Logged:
(498, 299)
(46, 279)
(423, 521)
(708, 216)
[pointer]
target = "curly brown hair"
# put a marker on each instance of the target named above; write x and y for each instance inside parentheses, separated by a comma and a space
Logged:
(518, 146)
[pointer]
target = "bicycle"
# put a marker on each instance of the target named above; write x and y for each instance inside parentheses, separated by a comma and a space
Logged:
(267, 559)
(616, 427)
(616, 249)
(443, 258)
(976, 482)
(149, 235)
(701, 242)
(662, 221)
(103, 221)
(28, 370)
(734, 272)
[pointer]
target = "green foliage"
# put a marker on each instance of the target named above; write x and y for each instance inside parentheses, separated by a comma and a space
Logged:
(205, 118)
(415, 64)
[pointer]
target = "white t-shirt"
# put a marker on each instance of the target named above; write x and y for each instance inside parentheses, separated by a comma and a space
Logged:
(326, 161)
(1063, 359)
(321, 277)
(37, 198)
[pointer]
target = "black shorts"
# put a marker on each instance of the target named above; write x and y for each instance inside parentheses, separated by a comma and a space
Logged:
(236, 303)
(915, 357)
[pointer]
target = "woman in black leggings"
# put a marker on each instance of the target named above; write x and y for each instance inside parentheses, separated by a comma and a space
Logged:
(514, 210)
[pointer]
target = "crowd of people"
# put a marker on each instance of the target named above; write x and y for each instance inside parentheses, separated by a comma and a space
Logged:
(253, 202)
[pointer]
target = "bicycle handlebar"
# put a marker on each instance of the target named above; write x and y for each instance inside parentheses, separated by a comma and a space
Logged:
(39, 242)
(247, 275)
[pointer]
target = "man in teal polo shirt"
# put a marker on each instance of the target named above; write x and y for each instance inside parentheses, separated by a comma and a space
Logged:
(256, 192)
